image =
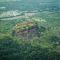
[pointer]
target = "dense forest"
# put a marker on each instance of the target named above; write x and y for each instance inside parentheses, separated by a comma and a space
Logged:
(46, 15)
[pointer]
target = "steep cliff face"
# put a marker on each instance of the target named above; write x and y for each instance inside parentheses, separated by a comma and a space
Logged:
(26, 30)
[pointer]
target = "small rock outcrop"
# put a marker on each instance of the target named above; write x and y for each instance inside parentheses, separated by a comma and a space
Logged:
(26, 30)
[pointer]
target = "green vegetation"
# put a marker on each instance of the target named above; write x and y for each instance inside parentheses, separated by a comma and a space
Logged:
(44, 47)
